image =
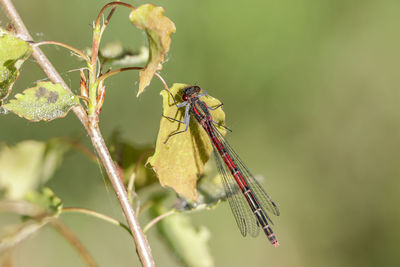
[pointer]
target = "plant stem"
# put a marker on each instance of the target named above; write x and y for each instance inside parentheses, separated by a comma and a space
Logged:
(116, 3)
(73, 49)
(142, 247)
(98, 32)
(111, 73)
(28, 209)
(74, 241)
(97, 215)
(157, 219)
(80, 147)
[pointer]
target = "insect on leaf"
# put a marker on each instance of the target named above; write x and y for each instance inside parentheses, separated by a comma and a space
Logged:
(44, 102)
(13, 52)
(180, 161)
(158, 29)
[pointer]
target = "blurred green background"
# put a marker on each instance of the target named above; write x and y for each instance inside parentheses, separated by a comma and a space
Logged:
(311, 92)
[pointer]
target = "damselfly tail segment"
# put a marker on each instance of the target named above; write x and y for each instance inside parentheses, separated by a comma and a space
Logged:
(248, 200)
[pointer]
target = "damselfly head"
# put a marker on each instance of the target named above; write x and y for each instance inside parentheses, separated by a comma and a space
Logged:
(189, 92)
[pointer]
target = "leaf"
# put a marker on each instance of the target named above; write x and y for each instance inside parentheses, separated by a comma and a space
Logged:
(180, 161)
(46, 199)
(158, 29)
(46, 101)
(13, 52)
(26, 165)
(189, 243)
(20, 168)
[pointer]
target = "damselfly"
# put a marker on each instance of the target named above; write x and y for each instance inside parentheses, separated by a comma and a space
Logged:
(248, 200)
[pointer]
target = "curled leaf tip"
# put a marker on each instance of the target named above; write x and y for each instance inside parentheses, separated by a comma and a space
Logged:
(158, 29)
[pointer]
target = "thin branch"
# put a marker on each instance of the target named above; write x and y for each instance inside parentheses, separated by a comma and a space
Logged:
(163, 82)
(109, 16)
(28, 209)
(74, 241)
(116, 3)
(75, 144)
(157, 219)
(97, 215)
(131, 193)
(97, 31)
(111, 73)
(73, 49)
(142, 247)
(135, 169)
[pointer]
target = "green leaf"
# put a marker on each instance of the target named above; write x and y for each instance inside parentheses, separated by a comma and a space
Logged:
(189, 243)
(26, 165)
(180, 161)
(20, 168)
(45, 199)
(158, 29)
(13, 52)
(46, 101)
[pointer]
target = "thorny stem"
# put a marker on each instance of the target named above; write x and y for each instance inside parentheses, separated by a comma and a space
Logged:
(97, 215)
(73, 49)
(75, 242)
(142, 247)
